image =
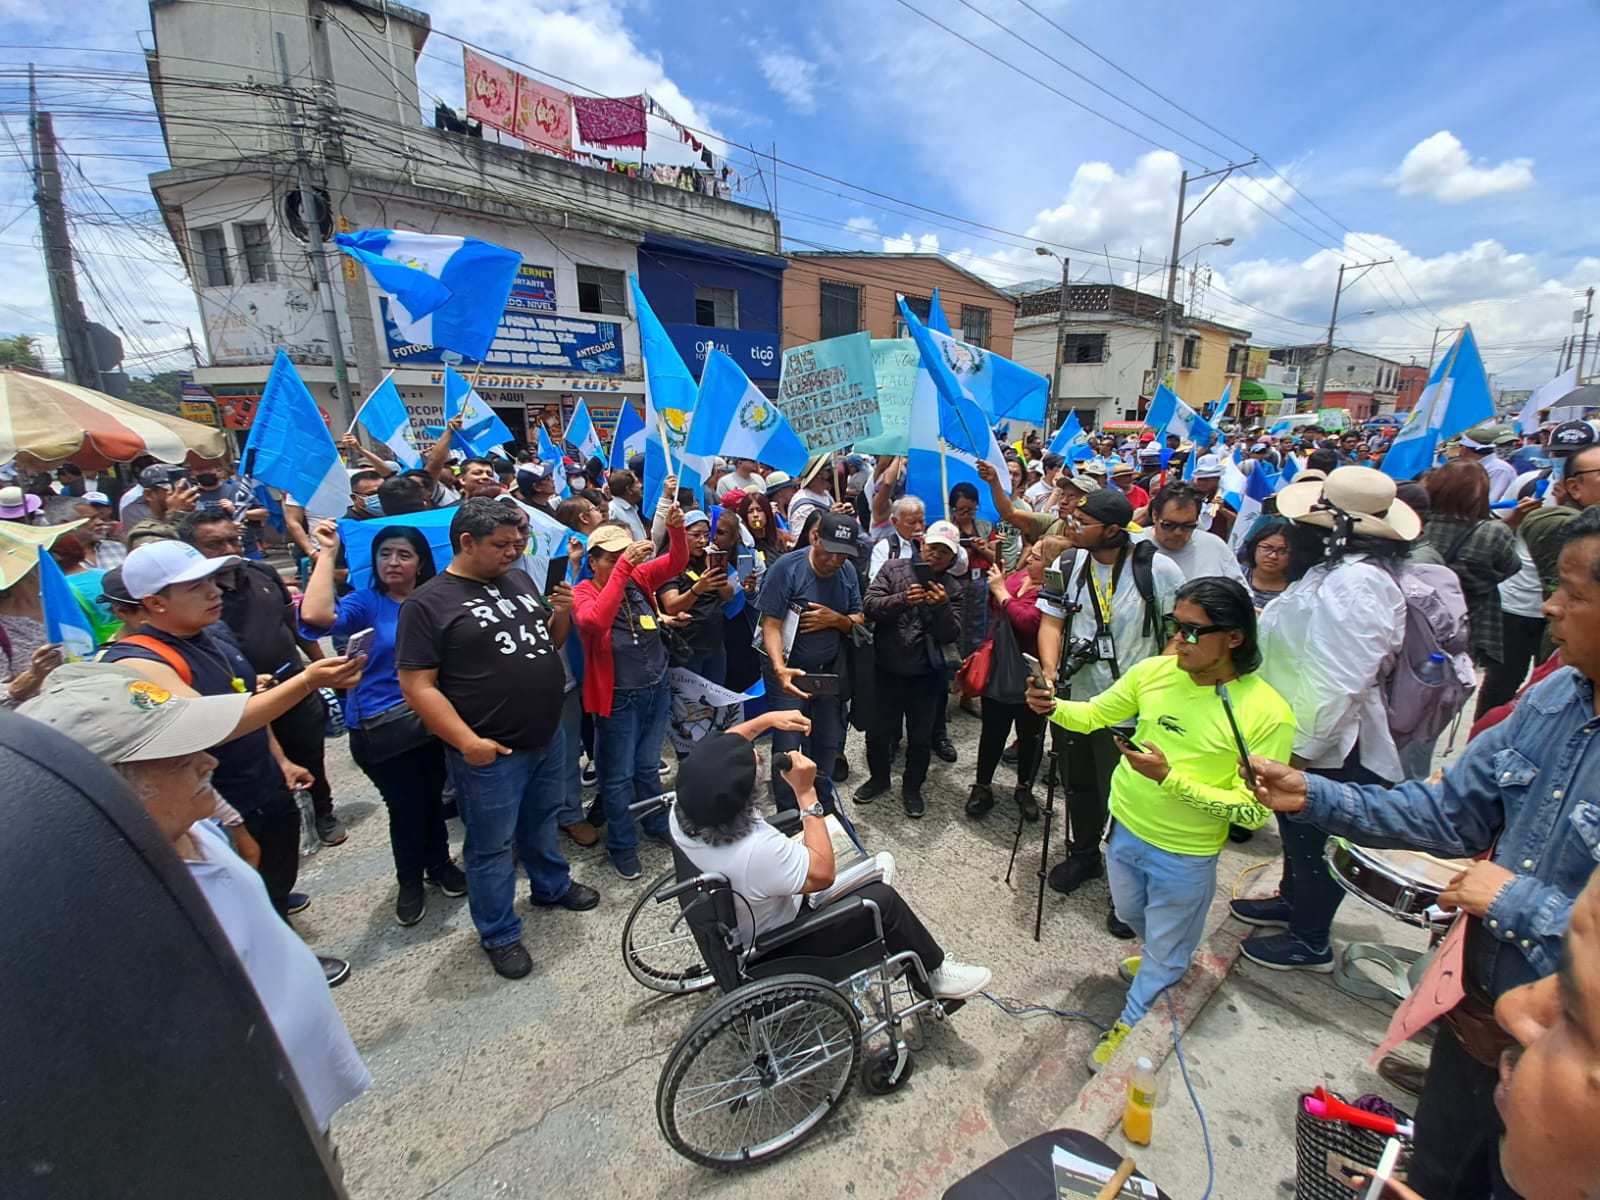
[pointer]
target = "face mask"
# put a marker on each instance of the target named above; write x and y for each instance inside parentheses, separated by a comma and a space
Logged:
(372, 504)
(207, 481)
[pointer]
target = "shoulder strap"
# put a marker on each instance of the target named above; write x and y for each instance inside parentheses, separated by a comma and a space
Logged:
(165, 653)
(1455, 547)
(1144, 578)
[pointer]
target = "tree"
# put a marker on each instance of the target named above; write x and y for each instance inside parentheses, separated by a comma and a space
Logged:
(159, 392)
(19, 350)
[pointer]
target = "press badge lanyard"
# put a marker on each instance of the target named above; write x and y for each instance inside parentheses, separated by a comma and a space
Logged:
(1105, 643)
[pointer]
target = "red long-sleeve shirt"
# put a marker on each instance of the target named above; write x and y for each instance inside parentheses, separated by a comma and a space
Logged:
(594, 609)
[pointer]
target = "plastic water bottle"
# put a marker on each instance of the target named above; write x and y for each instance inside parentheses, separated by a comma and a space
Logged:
(310, 843)
(1432, 672)
(1138, 1115)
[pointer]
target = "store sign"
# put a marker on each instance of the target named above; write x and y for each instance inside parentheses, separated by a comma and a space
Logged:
(248, 325)
(534, 290)
(527, 341)
(237, 405)
(488, 380)
(202, 412)
(757, 354)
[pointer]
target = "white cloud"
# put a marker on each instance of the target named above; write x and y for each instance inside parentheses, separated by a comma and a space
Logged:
(792, 77)
(1440, 167)
(927, 243)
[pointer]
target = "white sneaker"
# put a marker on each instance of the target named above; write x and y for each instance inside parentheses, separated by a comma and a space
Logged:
(957, 980)
(886, 865)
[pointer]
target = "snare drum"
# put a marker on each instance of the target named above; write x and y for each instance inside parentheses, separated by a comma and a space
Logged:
(1403, 883)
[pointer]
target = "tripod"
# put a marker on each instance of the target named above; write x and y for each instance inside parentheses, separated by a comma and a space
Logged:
(1044, 847)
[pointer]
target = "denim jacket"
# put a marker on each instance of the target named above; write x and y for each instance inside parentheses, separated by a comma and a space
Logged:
(1530, 781)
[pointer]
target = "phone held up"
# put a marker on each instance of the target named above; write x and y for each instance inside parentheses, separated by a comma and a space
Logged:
(359, 643)
(818, 685)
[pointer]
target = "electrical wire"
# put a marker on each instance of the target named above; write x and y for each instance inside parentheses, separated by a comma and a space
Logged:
(1183, 1067)
(1020, 1008)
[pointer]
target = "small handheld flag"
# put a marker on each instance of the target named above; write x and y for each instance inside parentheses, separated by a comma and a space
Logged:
(65, 622)
(384, 416)
(582, 436)
(627, 439)
(290, 447)
(482, 431)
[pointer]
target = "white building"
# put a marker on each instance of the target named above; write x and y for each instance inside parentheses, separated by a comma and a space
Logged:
(232, 203)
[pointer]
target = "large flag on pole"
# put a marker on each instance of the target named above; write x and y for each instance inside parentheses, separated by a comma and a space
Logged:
(627, 438)
(582, 436)
(482, 431)
(449, 292)
(1219, 406)
(1456, 398)
(1169, 415)
(734, 419)
(937, 321)
(670, 395)
(290, 447)
(384, 416)
(1544, 398)
(65, 622)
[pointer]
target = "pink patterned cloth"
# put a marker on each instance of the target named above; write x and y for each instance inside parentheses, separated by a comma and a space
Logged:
(603, 121)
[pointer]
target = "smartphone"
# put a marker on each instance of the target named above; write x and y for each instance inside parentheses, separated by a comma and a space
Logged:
(1123, 739)
(1238, 737)
(818, 685)
(555, 573)
(716, 560)
(1054, 581)
(1385, 1171)
(360, 643)
(923, 571)
(1035, 671)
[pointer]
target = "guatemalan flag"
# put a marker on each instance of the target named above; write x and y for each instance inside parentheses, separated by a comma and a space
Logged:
(449, 292)
(1456, 398)
(734, 419)
(668, 407)
(384, 416)
(627, 438)
(290, 448)
(65, 622)
(582, 436)
(1169, 415)
(550, 454)
(482, 431)
(1001, 388)
(1070, 441)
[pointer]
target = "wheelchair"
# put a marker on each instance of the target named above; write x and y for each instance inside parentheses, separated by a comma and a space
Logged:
(767, 1063)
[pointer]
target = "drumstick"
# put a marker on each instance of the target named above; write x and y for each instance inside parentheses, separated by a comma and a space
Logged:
(1114, 1185)
(1238, 736)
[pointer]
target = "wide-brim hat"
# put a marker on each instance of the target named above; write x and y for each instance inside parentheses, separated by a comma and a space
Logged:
(21, 545)
(1366, 496)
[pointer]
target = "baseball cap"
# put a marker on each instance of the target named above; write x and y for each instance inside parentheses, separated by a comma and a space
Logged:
(1259, 446)
(119, 716)
(695, 517)
(1485, 437)
(838, 534)
(1569, 437)
(610, 537)
(112, 587)
(1108, 506)
(156, 475)
(1208, 466)
(98, 499)
(943, 533)
(777, 480)
(717, 779)
(1094, 466)
(1082, 482)
(14, 503)
(157, 565)
(532, 474)
(636, 464)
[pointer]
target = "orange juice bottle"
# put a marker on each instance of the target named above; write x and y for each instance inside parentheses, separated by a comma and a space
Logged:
(1138, 1115)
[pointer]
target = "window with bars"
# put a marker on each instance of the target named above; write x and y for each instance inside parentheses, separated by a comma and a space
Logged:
(716, 308)
(841, 309)
(255, 252)
(602, 290)
(1235, 355)
(1083, 348)
(1191, 353)
(213, 246)
(975, 325)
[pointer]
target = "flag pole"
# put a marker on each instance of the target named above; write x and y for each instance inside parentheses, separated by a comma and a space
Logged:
(838, 489)
(666, 443)
(365, 400)
(944, 478)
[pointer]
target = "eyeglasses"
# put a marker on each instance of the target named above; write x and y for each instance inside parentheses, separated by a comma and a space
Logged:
(1192, 633)
(1273, 551)
(1178, 526)
(1571, 475)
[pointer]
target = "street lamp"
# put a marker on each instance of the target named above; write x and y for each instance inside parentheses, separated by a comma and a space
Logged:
(187, 333)
(1227, 241)
(1061, 329)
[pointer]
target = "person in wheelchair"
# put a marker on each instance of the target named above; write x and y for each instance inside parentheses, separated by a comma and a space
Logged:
(717, 827)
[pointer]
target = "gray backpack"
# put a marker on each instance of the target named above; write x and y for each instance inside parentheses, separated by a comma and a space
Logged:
(1419, 708)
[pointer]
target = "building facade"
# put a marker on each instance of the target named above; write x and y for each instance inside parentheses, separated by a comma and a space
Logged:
(1362, 384)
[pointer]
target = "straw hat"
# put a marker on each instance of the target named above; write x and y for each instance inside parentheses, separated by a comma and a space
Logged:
(1361, 493)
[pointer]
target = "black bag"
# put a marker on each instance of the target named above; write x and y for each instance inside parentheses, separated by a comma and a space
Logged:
(1008, 673)
(392, 732)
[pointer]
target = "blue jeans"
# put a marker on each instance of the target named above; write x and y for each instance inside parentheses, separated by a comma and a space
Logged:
(628, 745)
(572, 782)
(1166, 898)
(824, 745)
(509, 810)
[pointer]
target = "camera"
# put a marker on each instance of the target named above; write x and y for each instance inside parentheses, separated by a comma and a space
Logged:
(1081, 652)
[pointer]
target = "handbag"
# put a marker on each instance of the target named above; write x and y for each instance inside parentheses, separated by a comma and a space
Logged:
(392, 732)
(974, 673)
(1008, 673)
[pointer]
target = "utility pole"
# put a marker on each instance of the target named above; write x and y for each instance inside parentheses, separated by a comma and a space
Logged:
(1327, 350)
(1583, 344)
(72, 327)
(311, 213)
(1053, 418)
(1563, 359)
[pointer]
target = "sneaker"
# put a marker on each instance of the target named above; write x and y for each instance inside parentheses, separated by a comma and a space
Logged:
(334, 970)
(1285, 952)
(510, 961)
(1009, 755)
(1129, 967)
(579, 897)
(914, 804)
(886, 865)
(449, 879)
(1107, 1045)
(583, 833)
(871, 790)
(1117, 928)
(980, 800)
(944, 749)
(298, 902)
(1271, 913)
(661, 766)
(957, 980)
(411, 904)
(1068, 875)
(1238, 834)
(590, 776)
(1026, 804)
(626, 863)
(1402, 1073)
(841, 769)
(329, 831)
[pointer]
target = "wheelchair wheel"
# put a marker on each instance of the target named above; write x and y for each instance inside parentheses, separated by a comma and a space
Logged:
(763, 1068)
(663, 958)
(877, 1071)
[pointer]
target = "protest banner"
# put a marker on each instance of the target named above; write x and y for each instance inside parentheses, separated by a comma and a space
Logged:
(700, 707)
(829, 392)
(894, 362)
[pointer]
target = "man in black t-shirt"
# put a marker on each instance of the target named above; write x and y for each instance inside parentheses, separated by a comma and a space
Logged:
(478, 653)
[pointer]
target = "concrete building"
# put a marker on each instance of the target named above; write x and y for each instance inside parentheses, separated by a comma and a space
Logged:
(1363, 384)
(232, 204)
(827, 294)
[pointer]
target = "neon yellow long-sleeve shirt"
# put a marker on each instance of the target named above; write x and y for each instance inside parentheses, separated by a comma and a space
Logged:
(1189, 812)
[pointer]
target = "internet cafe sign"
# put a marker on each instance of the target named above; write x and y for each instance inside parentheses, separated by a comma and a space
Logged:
(756, 353)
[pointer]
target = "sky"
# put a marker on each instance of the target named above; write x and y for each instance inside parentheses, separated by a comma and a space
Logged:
(1447, 137)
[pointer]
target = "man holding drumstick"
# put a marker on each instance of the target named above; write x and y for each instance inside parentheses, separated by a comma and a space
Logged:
(1525, 790)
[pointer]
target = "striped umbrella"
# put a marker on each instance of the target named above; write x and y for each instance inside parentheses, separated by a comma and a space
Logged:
(55, 421)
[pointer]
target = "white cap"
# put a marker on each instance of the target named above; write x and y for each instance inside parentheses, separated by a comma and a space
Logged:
(157, 565)
(943, 533)
(1208, 466)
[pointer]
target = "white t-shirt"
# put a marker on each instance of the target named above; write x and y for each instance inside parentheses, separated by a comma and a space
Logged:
(286, 975)
(1127, 614)
(765, 867)
(1205, 555)
(733, 481)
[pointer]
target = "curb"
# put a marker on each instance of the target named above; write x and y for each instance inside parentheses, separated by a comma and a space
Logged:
(1098, 1107)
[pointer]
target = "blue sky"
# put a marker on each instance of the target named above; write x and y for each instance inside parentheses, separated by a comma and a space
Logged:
(1450, 137)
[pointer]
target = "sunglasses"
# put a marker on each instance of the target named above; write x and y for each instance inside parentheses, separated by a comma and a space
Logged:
(1192, 633)
(1178, 526)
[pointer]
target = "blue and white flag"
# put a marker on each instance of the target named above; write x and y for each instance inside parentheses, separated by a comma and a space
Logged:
(1003, 390)
(582, 436)
(551, 454)
(1071, 441)
(1169, 415)
(449, 292)
(65, 622)
(1260, 482)
(944, 419)
(937, 321)
(384, 416)
(1219, 406)
(1545, 397)
(1291, 468)
(290, 447)
(670, 395)
(482, 432)
(734, 419)
(627, 439)
(1456, 399)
